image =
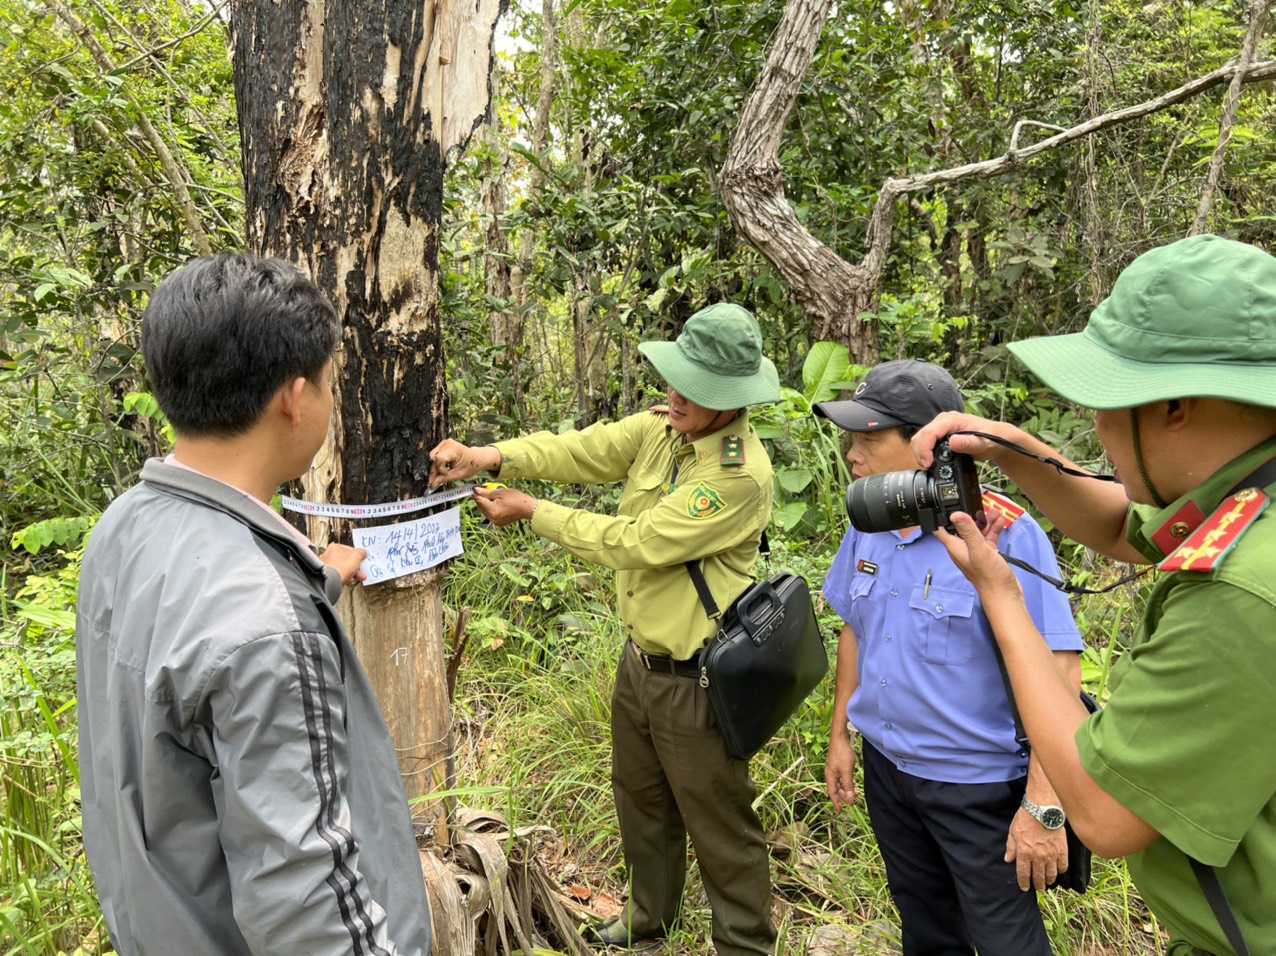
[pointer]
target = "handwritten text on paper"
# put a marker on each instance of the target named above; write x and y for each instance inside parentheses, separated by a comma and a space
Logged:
(398, 549)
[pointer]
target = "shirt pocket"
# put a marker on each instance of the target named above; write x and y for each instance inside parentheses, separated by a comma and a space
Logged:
(942, 629)
(863, 614)
(643, 489)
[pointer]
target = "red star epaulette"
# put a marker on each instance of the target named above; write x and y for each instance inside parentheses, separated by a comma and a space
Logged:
(659, 409)
(995, 503)
(732, 451)
(1210, 543)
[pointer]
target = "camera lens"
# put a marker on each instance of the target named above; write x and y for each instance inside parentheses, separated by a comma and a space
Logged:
(890, 501)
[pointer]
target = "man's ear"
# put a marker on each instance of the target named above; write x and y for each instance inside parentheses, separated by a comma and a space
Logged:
(1178, 412)
(289, 398)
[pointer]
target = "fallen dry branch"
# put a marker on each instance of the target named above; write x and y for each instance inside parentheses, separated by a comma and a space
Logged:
(490, 894)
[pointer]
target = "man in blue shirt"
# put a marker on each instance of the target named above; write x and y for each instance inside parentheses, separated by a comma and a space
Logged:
(966, 821)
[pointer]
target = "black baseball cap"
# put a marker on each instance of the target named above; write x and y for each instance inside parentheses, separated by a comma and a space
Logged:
(904, 392)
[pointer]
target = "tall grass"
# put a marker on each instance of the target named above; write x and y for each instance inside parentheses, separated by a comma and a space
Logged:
(47, 902)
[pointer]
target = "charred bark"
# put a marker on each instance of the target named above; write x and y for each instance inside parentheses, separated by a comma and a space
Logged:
(347, 113)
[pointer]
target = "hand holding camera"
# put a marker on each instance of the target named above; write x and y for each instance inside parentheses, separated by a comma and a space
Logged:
(906, 499)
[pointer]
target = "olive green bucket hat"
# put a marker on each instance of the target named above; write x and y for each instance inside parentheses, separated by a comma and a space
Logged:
(717, 361)
(1193, 319)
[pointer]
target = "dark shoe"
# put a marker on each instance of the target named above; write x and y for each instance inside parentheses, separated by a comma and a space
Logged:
(615, 935)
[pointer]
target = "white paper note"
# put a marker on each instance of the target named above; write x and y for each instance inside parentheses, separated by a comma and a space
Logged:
(398, 549)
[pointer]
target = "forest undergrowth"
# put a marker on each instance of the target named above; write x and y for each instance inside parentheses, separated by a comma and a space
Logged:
(531, 716)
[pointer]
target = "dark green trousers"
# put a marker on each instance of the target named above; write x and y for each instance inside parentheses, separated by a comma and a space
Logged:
(672, 777)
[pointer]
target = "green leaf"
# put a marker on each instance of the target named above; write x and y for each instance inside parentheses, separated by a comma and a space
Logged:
(826, 365)
(789, 515)
(53, 531)
(794, 480)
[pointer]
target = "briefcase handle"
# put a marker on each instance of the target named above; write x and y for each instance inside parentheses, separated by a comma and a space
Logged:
(760, 626)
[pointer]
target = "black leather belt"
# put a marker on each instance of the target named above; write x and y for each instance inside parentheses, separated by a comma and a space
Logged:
(667, 665)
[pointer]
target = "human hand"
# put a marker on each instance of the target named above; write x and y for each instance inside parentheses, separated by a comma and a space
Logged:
(945, 423)
(346, 561)
(839, 771)
(1039, 855)
(975, 553)
(503, 506)
(452, 461)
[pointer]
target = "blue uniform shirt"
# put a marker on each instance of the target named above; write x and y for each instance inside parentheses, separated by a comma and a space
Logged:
(930, 695)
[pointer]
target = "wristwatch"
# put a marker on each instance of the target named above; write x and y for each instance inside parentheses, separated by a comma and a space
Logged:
(1049, 817)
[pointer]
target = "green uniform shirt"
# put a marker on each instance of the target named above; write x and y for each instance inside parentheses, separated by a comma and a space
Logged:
(1186, 741)
(709, 499)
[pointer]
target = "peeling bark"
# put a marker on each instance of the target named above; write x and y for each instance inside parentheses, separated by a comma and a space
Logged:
(832, 291)
(347, 113)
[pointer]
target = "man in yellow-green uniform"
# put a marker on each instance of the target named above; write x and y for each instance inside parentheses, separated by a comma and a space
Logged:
(1178, 771)
(697, 487)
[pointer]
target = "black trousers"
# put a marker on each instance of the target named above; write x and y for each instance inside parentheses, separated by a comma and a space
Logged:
(944, 846)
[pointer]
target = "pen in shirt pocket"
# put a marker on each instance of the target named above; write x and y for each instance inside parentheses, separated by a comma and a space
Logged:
(926, 590)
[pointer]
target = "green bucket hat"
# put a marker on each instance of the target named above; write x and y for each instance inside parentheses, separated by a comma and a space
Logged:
(717, 361)
(1194, 319)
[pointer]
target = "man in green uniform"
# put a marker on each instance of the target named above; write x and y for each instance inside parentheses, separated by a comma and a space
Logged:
(1179, 766)
(697, 486)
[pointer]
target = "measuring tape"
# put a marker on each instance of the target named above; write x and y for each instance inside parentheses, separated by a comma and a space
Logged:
(325, 510)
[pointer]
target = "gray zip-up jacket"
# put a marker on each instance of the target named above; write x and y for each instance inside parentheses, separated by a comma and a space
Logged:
(240, 789)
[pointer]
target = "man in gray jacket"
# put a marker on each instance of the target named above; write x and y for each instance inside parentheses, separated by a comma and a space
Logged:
(240, 789)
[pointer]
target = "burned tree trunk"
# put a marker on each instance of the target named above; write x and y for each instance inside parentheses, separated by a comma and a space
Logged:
(347, 112)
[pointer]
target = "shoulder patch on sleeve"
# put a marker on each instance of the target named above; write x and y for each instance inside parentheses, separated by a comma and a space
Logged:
(996, 502)
(1211, 542)
(704, 502)
(659, 409)
(732, 451)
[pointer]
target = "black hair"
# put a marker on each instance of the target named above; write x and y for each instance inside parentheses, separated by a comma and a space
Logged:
(907, 432)
(222, 334)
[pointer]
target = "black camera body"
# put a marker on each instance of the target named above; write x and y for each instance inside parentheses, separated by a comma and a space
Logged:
(906, 499)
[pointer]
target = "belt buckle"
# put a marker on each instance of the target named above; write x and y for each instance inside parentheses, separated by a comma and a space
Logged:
(642, 656)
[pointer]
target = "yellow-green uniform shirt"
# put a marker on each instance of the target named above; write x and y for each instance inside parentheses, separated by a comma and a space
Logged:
(1186, 741)
(709, 499)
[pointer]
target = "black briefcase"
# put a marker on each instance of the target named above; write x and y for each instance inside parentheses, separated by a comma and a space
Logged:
(764, 660)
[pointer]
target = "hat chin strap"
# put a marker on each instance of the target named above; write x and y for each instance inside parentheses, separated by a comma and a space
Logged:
(1138, 460)
(713, 426)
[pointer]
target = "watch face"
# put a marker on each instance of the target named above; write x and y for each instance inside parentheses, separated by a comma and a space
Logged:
(1051, 818)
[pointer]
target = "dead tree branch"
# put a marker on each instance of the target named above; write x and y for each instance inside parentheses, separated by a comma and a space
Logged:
(1257, 21)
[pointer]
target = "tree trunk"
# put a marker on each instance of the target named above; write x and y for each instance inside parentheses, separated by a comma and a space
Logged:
(1257, 22)
(832, 291)
(347, 112)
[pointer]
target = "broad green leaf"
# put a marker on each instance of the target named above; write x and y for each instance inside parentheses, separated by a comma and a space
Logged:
(789, 515)
(794, 480)
(826, 364)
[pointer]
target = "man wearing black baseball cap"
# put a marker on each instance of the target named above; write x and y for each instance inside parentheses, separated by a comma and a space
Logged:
(965, 820)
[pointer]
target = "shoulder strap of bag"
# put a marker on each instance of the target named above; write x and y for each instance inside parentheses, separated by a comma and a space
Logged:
(1021, 736)
(1207, 876)
(702, 586)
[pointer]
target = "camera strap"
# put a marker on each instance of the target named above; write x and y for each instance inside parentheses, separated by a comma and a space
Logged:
(1262, 476)
(1067, 587)
(1054, 463)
